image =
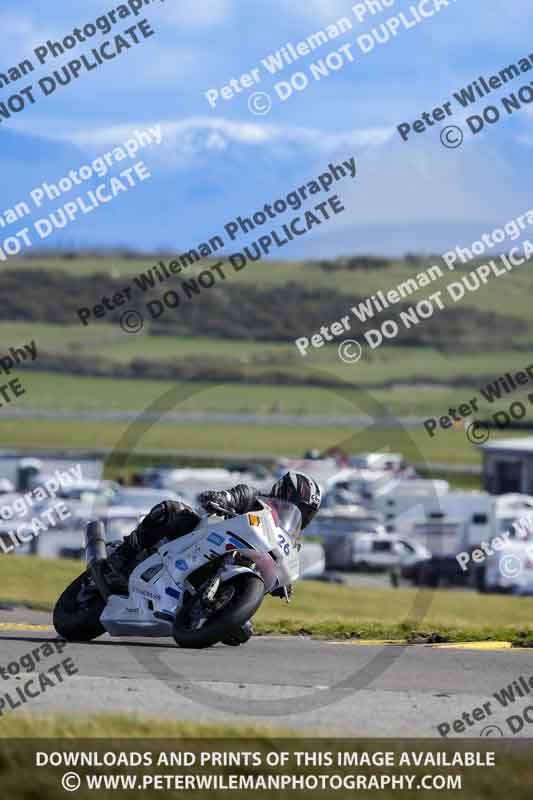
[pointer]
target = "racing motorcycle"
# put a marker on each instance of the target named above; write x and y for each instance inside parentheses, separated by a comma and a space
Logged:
(199, 588)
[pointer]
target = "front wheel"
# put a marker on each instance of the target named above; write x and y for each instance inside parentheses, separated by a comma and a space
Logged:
(77, 612)
(236, 602)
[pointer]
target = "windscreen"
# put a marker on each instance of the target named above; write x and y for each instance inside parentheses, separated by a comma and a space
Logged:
(287, 517)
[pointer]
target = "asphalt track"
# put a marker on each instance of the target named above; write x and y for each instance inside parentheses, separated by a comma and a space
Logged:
(291, 683)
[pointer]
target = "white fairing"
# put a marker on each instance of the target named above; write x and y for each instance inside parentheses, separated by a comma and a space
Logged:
(157, 585)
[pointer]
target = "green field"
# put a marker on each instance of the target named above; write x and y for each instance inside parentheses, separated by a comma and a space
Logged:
(509, 295)
(58, 391)
(267, 377)
(255, 440)
(73, 393)
(398, 365)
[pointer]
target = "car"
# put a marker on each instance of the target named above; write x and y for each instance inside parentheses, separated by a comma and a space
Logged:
(142, 498)
(430, 571)
(69, 541)
(509, 570)
(9, 546)
(6, 486)
(89, 492)
(371, 551)
(312, 561)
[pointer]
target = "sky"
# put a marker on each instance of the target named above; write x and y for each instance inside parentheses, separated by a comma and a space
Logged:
(215, 163)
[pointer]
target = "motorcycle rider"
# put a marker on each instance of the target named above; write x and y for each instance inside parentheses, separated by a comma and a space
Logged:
(171, 519)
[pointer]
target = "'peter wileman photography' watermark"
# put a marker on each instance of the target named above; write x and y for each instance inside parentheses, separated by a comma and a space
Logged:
(506, 697)
(24, 529)
(350, 351)
(14, 357)
(29, 688)
(132, 321)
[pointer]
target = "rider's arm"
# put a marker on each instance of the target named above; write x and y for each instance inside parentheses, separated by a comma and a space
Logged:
(243, 497)
(239, 500)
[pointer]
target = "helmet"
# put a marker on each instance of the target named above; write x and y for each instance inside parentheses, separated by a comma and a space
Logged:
(304, 492)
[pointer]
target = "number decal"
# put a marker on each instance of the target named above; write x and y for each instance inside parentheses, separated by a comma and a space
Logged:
(284, 545)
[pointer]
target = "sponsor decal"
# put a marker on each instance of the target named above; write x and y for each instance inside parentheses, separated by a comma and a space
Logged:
(215, 538)
(146, 593)
(181, 564)
(237, 542)
(254, 520)
(173, 593)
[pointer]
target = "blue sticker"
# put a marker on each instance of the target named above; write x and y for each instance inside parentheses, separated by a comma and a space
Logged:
(173, 593)
(238, 543)
(181, 564)
(215, 538)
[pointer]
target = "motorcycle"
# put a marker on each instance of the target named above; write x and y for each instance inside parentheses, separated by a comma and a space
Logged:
(199, 588)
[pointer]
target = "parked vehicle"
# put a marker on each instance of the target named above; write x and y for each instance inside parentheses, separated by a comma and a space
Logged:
(509, 569)
(90, 492)
(142, 498)
(312, 561)
(431, 571)
(371, 551)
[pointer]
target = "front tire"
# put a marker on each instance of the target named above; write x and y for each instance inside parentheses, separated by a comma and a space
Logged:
(77, 619)
(248, 596)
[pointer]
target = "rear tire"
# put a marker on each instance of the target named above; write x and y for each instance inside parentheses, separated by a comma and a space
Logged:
(249, 593)
(76, 622)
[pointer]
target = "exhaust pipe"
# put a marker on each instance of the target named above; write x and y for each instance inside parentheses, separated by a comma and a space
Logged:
(95, 543)
(95, 550)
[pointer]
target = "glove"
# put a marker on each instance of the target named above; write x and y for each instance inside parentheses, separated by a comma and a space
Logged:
(215, 502)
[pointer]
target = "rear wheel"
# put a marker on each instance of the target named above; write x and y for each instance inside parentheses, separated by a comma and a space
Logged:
(235, 603)
(77, 612)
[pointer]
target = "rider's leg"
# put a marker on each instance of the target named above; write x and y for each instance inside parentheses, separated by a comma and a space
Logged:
(166, 520)
(240, 636)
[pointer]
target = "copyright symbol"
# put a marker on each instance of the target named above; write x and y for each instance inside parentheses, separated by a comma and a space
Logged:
(477, 433)
(491, 730)
(259, 103)
(510, 566)
(71, 782)
(452, 137)
(131, 321)
(350, 351)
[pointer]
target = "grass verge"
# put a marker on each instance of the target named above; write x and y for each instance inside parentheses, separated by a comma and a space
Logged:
(327, 610)
(207, 745)
(126, 726)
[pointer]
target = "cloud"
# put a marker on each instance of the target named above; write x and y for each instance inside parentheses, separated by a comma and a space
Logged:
(186, 141)
(197, 13)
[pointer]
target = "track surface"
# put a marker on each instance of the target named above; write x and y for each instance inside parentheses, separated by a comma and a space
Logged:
(292, 683)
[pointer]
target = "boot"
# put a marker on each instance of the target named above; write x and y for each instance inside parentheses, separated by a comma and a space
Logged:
(116, 569)
(240, 636)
